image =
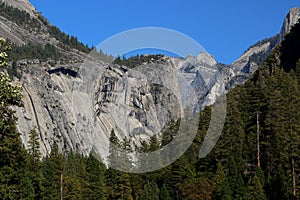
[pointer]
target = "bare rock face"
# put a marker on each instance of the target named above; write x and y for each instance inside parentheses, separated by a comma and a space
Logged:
(290, 20)
(48, 100)
(256, 54)
(34, 31)
(17, 33)
(77, 102)
(78, 105)
(22, 5)
(206, 59)
(133, 103)
(240, 64)
(78, 111)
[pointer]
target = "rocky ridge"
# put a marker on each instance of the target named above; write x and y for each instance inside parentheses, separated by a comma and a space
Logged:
(76, 102)
(23, 5)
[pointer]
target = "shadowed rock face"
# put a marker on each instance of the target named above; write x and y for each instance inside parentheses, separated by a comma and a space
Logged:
(63, 70)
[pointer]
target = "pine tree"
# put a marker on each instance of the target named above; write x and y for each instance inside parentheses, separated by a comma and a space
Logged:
(200, 188)
(34, 165)
(254, 190)
(232, 140)
(95, 179)
(124, 157)
(176, 176)
(154, 143)
(164, 193)
(235, 179)
(223, 191)
(34, 146)
(13, 157)
(71, 188)
(118, 182)
(113, 150)
(27, 190)
(53, 168)
(151, 191)
(122, 187)
(281, 127)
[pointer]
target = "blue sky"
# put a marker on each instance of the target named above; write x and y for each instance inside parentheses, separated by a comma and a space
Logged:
(225, 28)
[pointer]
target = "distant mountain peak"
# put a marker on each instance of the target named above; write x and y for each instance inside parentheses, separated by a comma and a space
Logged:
(290, 20)
(257, 53)
(206, 58)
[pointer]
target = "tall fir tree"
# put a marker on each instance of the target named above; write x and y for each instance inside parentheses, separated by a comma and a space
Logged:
(95, 179)
(254, 190)
(118, 182)
(151, 191)
(53, 169)
(13, 157)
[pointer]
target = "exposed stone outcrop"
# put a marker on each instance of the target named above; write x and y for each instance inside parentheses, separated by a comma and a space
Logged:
(290, 20)
(22, 5)
(76, 102)
(79, 112)
(246, 65)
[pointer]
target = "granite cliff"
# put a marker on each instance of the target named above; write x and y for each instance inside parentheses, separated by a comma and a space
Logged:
(76, 100)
